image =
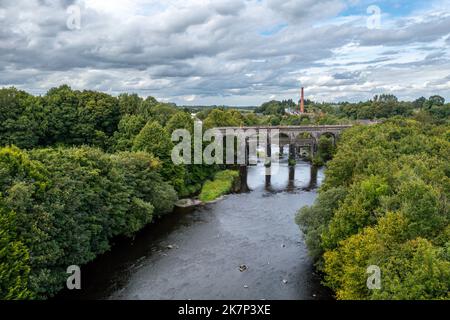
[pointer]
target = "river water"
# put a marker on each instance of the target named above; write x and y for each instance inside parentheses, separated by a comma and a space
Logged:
(197, 254)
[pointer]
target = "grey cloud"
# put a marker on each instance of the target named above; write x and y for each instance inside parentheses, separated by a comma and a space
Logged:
(203, 50)
(347, 75)
(433, 29)
(301, 11)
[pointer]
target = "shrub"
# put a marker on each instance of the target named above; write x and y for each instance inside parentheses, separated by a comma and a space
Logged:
(222, 184)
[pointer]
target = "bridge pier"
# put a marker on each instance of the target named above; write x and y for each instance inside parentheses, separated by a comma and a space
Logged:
(291, 183)
(247, 151)
(268, 176)
(314, 149)
(313, 178)
(292, 152)
(243, 174)
(269, 146)
(291, 173)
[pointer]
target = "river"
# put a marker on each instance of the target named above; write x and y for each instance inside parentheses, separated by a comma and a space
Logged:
(197, 254)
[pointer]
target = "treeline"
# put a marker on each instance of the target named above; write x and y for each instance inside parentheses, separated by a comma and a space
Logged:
(78, 168)
(384, 202)
(70, 117)
(387, 105)
(234, 117)
(66, 117)
(274, 107)
(382, 106)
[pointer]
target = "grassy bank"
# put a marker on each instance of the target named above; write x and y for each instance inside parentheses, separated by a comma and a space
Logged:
(222, 184)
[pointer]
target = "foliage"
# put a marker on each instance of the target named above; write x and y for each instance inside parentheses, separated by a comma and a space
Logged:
(180, 120)
(276, 107)
(161, 112)
(14, 260)
(384, 202)
(128, 128)
(325, 152)
(75, 117)
(62, 206)
(62, 198)
(154, 139)
(219, 118)
(222, 184)
(21, 117)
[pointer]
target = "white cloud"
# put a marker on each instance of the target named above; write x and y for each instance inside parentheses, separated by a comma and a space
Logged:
(190, 98)
(197, 51)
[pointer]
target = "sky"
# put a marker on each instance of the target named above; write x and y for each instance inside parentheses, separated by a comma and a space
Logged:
(228, 52)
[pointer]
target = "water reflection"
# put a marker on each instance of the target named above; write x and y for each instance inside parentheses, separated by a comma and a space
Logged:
(281, 177)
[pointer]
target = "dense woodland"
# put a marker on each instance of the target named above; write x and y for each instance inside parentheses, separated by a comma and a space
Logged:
(78, 168)
(385, 202)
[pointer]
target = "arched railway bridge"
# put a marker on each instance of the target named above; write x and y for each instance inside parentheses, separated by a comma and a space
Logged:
(296, 137)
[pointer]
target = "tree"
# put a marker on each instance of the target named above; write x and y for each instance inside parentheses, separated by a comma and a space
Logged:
(90, 198)
(154, 139)
(385, 98)
(314, 220)
(128, 128)
(436, 101)
(218, 118)
(21, 118)
(97, 119)
(384, 203)
(251, 119)
(160, 112)
(180, 120)
(130, 104)
(14, 260)
(274, 107)
(140, 171)
(419, 103)
(325, 148)
(75, 118)
(60, 105)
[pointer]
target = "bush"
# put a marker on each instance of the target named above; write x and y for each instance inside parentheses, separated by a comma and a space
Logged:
(222, 184)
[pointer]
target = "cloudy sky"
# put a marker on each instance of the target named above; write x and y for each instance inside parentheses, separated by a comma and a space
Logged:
(235, 52)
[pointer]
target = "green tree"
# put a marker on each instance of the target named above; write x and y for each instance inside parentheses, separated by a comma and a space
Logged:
(384, 203)
(128, 128)
(161, 112)
(219, 118)
(180, 120)
(436, 101)
(14, 260)
(21, 118)
(97, 119)
(130, 104)
(154, 139)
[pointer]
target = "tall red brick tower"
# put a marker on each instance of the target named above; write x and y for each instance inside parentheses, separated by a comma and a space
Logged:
(302, 101)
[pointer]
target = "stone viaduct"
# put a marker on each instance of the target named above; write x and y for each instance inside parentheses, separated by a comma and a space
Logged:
(296, 137)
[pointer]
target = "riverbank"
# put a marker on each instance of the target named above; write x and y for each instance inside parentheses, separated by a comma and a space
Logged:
(223, 183)
(198, 254)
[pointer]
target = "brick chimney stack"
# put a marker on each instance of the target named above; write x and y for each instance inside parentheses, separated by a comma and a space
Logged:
(302, 101)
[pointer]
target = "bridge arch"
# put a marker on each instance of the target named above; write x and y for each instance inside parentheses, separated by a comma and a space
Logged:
(329, 134)
(308, 136)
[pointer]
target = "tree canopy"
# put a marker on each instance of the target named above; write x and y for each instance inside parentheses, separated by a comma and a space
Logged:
(384, 203)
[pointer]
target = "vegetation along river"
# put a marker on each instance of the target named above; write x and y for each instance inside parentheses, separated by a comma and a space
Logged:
(244, 246)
